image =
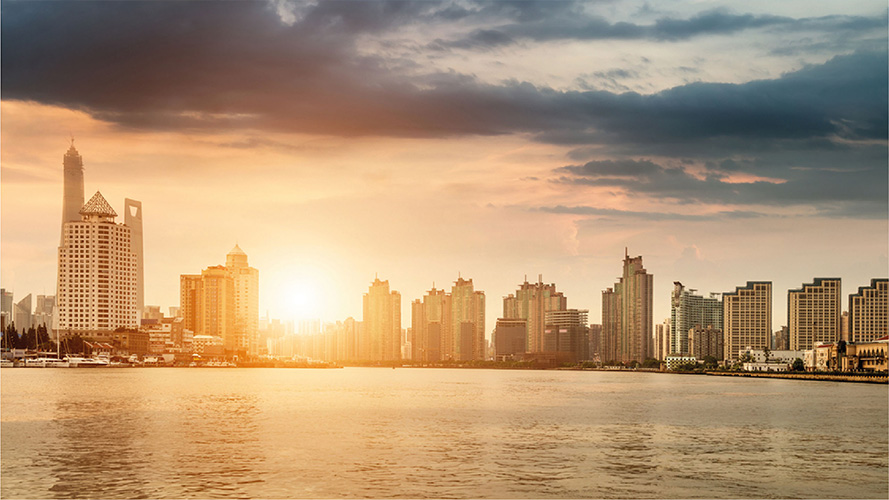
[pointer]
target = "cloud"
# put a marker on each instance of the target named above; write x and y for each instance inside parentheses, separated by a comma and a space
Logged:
(833, 192)
(648, 216)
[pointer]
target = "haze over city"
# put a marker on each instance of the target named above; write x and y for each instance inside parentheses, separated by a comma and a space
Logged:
(421, 141)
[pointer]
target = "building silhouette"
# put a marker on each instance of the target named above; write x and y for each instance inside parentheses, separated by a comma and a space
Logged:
(869, 311)
(72, 196)
(687, 311)
(627, 314)
(223, 301)
(466, 339)
(381, 336)
(96, 273)
(430, 324)
(531, 302)
(747, 318)
(567, 332)
(814, 313)
(133, 219)
(509, 339)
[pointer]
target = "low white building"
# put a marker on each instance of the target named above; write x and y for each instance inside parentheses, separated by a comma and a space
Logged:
(766, 367)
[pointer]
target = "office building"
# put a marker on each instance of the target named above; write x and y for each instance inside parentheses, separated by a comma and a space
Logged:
(689, 310)
(97, 273)
(43, 312)
(869, 312)
(509, 339)
(22, 314)
(381, 336)
(133, 220)
(814, 314)
(747, 318)
(72, 197)
(566, 332)
(627, 314)
(6, 309)
(223, 301)
(531, 302)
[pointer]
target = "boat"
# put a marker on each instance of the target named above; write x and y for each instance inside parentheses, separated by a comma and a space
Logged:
(77, 362)
(5, 363)
(46, 363)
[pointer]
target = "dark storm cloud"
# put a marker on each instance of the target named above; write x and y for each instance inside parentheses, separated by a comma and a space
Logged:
(235, 64)
(572, 23)
(866, 187)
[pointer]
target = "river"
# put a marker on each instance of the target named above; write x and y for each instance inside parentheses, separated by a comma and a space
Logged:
(439, 433)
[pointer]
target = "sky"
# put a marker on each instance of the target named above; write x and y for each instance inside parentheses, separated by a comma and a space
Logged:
(336, 141)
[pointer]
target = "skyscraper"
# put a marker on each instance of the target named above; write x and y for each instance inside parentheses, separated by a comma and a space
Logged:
(97, 273)
(531, 302)
(747, 318)
(133, 219)
(627, 314)
(869, 311)
(688, 310)
(814, 313)
(431, 324)
(567, 331)
(466, 340)
(245, 280)
(381, 337)
(72, 198)
(22, 315)
(223, 301)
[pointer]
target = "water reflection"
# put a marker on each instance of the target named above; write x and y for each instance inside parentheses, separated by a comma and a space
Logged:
(94, 450)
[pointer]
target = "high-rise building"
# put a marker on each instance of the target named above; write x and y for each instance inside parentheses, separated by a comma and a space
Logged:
(747, 318)
(22, 316)
(688, 310)
(509, 339)
(223, 301)
(566, 331)
(627, 314)
(43, 311)
(431, 325)
(72, 197)
(531, 302)
(133, 220)
(814, 313)
(466, 340)
(381, 336)
(781, 339)
(596, 342)
(246, 289)
(869, 311)
(662, 339)
(6, 309)
(97, 273)
(706, 341)
(609, 353)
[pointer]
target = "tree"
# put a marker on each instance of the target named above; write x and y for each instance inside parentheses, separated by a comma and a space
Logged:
(710, 362)
(767, 352)
(29, 339)
(651, 363)
(798, 365)
(10, 337)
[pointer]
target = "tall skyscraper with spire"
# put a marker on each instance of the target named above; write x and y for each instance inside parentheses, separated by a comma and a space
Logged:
(72, 199)
(627, 314)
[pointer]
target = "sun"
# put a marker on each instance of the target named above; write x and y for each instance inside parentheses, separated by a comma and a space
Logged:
(302, 302)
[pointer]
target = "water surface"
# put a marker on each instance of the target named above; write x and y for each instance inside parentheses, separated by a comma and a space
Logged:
(419, 433)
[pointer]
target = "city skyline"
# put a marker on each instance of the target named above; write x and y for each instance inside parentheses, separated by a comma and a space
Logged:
(475, 165)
